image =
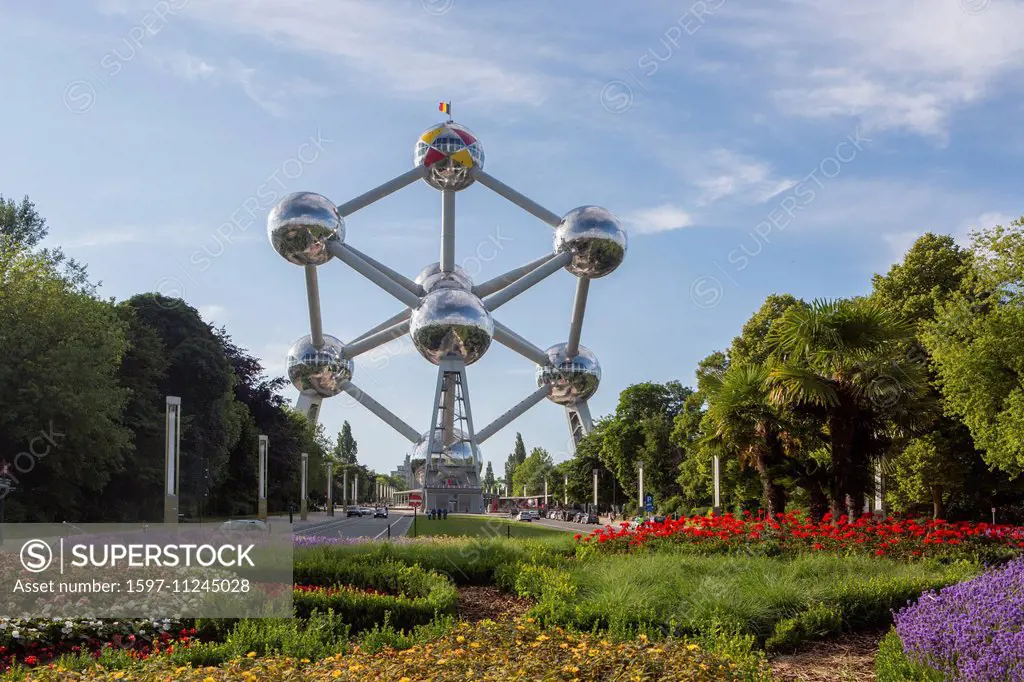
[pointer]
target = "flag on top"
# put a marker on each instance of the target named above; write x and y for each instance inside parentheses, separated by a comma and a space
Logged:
(445, 108)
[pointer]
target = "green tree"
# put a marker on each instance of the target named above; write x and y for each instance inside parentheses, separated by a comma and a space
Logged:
(21, 223)
(489, 478)
(532, 472)
(61, 349)
(977, 344)
(517, 457)
(844, 357)
(346, 448)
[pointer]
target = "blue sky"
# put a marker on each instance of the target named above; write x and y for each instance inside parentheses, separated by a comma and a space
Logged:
(751, 148)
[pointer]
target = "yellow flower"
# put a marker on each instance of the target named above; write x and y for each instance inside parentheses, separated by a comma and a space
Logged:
(692, 647)
(336, 673)
(529, 620)
(209, 679)
(475, 645)
(304, 660)
(251, 654)
(563, 645)
(541, 638)
(460, 639)
(405, 679)
(118, 675)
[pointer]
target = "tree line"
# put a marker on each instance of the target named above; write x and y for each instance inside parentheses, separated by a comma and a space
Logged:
(920, 380)
(83, 384)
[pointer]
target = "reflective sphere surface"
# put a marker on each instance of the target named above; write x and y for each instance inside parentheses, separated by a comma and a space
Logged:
(452, 464)
(569, 381)
(451, 322)
(318, 371)
(595, 239)
(431, 278)
(449, 151)
(300, 226)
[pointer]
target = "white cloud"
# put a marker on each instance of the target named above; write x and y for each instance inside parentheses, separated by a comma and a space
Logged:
(213, 313)
(900, 242)
(984, 221)
(657, 219)
(905, 65)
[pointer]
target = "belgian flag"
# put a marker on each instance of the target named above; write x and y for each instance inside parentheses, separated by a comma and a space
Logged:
(445, 108)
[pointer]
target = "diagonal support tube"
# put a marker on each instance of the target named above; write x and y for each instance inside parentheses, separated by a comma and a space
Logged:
(390, 322)
(382, 412)
(345, 254)
(525, 282)
(579, 306)
(498, 283)
(520, 200)
(397, 277)
(513, 414)
(513, 341)
(357, 348)
(316, 329)
(378, 193)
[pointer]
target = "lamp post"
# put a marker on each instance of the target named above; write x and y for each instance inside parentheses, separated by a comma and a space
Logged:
(303, 505)
(330, 488)
(565, 501)
(595, 489)
(640, 481)
(261, 501)
(716, 472)
(172, 458)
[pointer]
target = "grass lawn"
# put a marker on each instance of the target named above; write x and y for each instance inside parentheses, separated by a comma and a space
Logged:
(481, 527)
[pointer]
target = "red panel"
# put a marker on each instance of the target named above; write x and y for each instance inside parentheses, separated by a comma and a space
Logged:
(466, 137)
(432, 157)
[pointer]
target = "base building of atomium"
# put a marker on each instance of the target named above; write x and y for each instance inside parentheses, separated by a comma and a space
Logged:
(449, 318)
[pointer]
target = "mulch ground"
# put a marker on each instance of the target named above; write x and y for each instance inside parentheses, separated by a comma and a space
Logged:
(851, 657)
(479, 603)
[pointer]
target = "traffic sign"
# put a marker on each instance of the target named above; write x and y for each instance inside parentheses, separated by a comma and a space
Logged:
(649, 503)
(415, 500)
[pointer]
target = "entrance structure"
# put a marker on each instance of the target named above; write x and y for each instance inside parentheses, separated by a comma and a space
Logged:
(448, 316)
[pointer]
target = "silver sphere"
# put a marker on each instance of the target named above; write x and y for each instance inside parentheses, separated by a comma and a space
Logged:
(569, 380)
(431, 278)
(459, 451)
(451, 322)
(449, 151)
(595, 239)
(300, 226)
(319, 371)
(453, 462)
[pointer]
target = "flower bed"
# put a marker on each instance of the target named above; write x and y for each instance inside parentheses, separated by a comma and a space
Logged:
(486, 651)
(37, 641)
(792, 533)
(971, 631)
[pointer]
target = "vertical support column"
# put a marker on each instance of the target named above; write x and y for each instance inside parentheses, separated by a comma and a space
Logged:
(595, 490)
(565, 501)
(447, 230)
(172, 458)
(717, 476)
(545, 492)
(303, 505)
(261, 501)
(448, 425)
(309, 406)
(344, 488)
(880, 507)
(643, 507)
(330, 488)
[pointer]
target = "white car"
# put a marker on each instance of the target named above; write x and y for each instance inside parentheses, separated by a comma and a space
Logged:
(253, 525)
(524, 516)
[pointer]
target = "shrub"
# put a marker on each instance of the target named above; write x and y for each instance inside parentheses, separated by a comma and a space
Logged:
(971, 631)
(892, 664)
(817, 622)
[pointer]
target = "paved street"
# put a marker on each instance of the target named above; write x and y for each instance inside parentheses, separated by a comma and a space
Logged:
(353, 527)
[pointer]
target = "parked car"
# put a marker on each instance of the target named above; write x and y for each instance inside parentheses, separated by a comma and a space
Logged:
(524, 516)
(251, 525)
(380, 513)
(366, 511)
(353, 511)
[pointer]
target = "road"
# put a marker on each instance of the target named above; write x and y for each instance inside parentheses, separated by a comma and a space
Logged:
(355, 526)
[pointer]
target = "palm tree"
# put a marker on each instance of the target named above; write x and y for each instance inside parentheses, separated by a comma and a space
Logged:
(848, 359)
(741, 420)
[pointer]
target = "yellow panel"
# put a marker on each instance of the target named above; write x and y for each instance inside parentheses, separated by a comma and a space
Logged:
(432, 134)
(463, 158)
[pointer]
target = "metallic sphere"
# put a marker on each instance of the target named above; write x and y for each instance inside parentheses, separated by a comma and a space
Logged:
(319, 371)
(452, 464)
(449, 151)
(451, 322)
(300, 226)
(569, 380)
(459, 451)
(431, 278)
(595, 239)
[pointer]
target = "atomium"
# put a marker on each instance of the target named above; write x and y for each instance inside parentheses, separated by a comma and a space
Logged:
(595, 239)
(300, 226)
(432, 277)
(449, 151)
(319, 371)
(448, 317)
(569, 380)
(451, 322)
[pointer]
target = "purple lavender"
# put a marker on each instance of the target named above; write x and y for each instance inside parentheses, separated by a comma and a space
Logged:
(970, 631)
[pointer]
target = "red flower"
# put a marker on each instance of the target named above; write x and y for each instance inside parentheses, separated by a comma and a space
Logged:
(31, 660)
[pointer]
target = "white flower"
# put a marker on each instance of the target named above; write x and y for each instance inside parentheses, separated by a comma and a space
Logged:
(15, 634)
